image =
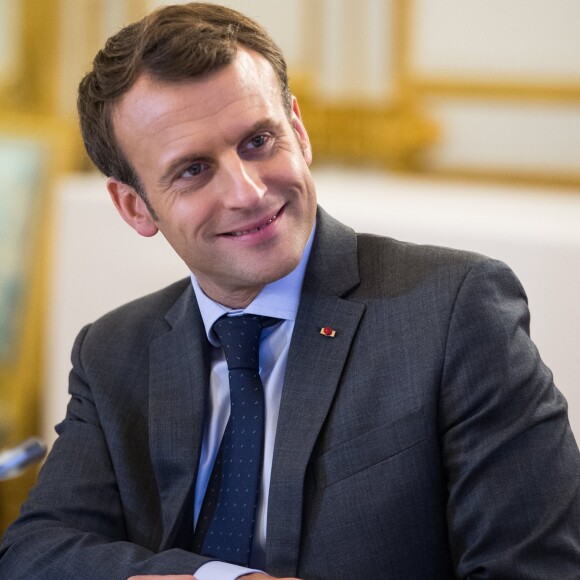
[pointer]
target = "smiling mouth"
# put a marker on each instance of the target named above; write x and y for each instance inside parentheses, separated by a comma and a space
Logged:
(256, 229)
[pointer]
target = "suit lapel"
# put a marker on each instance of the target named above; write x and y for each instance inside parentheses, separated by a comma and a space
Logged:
(315, 364)
(178, 387)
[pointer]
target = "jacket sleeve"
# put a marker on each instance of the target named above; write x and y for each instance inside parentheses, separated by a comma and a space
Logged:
(73, 524)
(513, 467)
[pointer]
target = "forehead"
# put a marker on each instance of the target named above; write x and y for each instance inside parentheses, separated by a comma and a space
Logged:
(248, 83)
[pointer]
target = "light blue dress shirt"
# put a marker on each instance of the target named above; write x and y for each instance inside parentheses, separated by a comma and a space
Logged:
(279, 299)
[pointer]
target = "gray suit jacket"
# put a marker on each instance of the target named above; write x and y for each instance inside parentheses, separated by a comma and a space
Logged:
(424, 441)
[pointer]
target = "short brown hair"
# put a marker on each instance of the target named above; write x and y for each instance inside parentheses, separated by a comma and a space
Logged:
(173, 43)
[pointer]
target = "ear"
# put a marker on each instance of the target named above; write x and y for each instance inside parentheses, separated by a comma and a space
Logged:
(296, 119)
(131, 207)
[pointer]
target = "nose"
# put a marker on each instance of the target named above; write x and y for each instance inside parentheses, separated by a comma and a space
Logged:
(242, 186)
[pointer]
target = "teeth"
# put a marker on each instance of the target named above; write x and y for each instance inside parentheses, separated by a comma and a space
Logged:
(245, 232)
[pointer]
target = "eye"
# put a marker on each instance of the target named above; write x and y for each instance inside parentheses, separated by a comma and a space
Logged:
(193, 170)
(258, 146)
(258, 141)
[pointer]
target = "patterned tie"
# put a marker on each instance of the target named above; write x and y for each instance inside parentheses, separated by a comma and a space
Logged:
(225, 525)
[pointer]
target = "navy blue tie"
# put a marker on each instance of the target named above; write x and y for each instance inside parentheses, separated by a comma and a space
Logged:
(225, 526)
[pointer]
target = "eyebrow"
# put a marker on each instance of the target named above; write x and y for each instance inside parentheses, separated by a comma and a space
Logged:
(167, 176)
(262, 125)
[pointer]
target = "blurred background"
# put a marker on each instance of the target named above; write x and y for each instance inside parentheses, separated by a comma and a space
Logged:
(453, 122)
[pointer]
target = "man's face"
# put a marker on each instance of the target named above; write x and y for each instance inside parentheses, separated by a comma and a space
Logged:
(225, 171)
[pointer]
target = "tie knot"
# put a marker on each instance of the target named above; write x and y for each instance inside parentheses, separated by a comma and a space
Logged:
(239, 336)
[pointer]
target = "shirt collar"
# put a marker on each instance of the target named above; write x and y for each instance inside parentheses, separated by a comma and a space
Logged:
(278, 299)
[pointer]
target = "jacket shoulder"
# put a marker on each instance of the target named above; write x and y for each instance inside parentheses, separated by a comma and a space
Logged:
(386, 248)
(141, 317)
(398, 267)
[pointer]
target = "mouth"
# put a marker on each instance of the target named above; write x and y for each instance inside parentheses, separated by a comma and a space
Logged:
(254, 229)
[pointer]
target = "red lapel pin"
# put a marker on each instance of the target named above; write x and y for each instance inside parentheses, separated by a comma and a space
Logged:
(327, 331)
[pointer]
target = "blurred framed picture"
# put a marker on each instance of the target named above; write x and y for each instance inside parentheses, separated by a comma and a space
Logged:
(23, 176)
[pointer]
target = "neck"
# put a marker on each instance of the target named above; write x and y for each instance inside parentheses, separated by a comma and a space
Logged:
(235, 299)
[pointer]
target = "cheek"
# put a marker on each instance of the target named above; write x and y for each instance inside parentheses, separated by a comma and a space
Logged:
(179, 228)
(191, 213)
(288, 170)
(300, 166)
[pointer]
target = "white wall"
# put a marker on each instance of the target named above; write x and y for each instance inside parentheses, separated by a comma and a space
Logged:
(100, 262)
(497, 39)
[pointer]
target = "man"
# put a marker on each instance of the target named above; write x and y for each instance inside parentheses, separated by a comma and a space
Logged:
(410, 427)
